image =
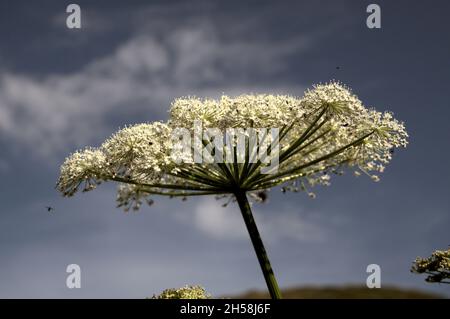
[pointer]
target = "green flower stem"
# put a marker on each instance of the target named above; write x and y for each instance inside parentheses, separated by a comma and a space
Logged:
(258, 245)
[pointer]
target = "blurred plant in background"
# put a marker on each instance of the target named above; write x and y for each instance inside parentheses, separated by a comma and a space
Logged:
(437, 266)
(320, 134)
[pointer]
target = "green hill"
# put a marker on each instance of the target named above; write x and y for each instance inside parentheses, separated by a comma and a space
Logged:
(343, 292)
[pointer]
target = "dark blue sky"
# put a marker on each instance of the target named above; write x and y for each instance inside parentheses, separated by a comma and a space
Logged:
(62, 89)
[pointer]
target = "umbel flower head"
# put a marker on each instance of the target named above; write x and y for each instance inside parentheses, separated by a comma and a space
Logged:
(322, 133)
(437, 266)
(291, 142)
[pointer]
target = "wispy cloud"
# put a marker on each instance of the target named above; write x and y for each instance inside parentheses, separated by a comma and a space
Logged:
(142, 76)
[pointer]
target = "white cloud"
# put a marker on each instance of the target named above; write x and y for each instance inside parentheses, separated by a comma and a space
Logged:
(58, 112)
(217, 221)
(226, 223)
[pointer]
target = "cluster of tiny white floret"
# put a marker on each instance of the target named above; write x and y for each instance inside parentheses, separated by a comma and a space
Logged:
(244, 111)
(324, 132)
(187, 292)
(138, 153)
(141, 152)
(82, 168)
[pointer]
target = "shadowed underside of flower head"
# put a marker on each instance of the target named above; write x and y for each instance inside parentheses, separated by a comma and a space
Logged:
(321, 133)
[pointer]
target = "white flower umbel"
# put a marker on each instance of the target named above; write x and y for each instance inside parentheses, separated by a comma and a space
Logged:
(320, 134)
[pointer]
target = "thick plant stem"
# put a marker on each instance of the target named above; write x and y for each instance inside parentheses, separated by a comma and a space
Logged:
(258, 245)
